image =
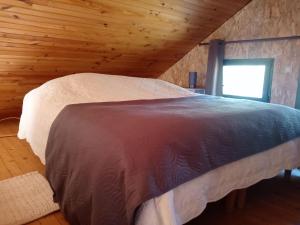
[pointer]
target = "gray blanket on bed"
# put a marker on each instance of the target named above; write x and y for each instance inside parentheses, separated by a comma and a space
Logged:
(103, 160)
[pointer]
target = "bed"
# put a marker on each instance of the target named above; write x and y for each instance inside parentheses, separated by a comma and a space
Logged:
(181, 204)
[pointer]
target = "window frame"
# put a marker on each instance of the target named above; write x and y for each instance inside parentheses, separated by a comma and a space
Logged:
(297, 102)
(267, 62)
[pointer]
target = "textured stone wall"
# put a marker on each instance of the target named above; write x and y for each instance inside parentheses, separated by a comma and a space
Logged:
(195, 60)
(259, 19)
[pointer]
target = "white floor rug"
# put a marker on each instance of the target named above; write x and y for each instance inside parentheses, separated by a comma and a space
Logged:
(25, 198)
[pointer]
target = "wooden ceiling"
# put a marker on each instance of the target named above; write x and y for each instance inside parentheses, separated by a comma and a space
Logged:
(43, 39)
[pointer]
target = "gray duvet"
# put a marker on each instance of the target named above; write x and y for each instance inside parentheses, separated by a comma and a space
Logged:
(103, 160)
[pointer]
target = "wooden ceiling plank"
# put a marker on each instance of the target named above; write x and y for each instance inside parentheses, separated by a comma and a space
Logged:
(153, 36)
(19, 13)
(43, 10)
(128, 8)
(40, 32)
(80, 46)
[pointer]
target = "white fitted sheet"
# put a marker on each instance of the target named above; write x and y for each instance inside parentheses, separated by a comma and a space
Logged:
(178, 206)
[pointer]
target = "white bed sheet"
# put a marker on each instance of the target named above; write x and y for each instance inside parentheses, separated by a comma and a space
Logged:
(41, 105)
(178, 206)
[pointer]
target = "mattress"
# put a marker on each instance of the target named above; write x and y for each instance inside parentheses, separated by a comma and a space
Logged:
(41, 106)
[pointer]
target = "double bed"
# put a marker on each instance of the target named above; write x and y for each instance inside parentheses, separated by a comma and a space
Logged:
(177, 206)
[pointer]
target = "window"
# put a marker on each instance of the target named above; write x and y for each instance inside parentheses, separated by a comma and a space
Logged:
(247, 78)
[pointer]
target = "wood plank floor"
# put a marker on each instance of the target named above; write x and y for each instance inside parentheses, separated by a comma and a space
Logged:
(271, 202)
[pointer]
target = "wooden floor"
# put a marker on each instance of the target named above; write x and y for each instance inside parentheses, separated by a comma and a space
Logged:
(271, 202)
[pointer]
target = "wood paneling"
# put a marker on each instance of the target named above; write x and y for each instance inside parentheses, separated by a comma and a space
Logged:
(259, 19)
(43, 39)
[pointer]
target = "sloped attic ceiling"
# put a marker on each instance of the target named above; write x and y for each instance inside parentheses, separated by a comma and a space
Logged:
(43, 39)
